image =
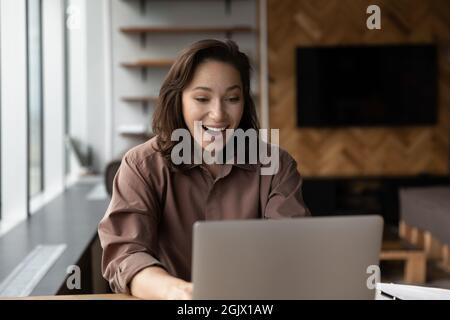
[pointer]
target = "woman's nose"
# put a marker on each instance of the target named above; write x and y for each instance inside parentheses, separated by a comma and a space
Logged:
(217, 112)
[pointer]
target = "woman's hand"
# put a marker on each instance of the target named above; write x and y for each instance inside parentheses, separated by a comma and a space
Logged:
(180, 290)
(155, 283)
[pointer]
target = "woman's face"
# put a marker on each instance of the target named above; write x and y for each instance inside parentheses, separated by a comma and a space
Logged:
(215, 98)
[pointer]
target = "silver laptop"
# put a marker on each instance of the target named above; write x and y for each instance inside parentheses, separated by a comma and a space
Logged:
(302, 258)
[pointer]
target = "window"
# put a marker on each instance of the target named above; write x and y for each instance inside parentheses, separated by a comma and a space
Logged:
(14, 168)
(35, 98)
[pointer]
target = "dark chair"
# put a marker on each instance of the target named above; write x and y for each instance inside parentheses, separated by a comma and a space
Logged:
(110, 173)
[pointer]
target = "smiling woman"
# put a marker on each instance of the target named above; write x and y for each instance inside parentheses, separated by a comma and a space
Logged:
(218, 106)
(146, 233)
(209, 82)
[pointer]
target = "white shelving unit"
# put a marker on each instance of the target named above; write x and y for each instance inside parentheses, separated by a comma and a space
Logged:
(146, 37)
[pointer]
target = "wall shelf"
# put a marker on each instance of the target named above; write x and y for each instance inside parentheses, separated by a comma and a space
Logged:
(143, 5)
(140, 99)
(143, 135)
(140, 30)
(135, 131)
(147, 63)
(143, 31)
(144, 100)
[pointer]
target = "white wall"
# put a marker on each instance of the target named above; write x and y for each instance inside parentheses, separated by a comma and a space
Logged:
(54, 95)
(88, 53)
(13, 112)
(76, 75)
(95, 58)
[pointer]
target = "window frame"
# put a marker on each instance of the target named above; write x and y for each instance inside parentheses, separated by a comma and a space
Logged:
(66, 41)
(1, 135)
(31, 196)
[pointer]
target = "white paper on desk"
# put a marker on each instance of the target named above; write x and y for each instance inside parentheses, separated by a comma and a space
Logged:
(406, 292)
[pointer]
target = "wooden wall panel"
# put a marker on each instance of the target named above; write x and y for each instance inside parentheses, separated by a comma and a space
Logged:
(357, 151)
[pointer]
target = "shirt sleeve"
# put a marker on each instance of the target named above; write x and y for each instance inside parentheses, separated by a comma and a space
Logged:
(128, 231)
(285, 198)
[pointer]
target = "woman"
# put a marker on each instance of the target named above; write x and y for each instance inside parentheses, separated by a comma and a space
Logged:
(146, 233)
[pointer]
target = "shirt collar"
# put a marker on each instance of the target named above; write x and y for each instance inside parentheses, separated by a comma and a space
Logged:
(244, 166)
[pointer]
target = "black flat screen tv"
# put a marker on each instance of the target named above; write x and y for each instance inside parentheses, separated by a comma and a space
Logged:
(388, 85)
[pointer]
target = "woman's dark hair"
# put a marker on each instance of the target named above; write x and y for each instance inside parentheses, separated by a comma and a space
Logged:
(168, 115)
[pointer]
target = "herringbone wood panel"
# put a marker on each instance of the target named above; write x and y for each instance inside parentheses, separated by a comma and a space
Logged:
(357, 151)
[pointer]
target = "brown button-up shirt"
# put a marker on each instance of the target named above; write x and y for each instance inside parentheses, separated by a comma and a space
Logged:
(153, 207)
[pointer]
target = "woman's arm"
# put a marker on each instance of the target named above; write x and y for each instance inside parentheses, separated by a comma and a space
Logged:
(128, 231)
(285, 199)
(155, 283)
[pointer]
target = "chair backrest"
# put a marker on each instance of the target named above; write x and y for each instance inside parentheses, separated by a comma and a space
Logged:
(110, 173)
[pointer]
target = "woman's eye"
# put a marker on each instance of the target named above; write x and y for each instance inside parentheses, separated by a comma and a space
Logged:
(202, 100)
(234, 99)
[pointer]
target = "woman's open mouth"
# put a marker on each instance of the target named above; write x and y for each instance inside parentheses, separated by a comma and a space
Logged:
(214, 130)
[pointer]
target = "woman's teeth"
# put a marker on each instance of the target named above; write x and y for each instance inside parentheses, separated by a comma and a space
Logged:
(214, 129)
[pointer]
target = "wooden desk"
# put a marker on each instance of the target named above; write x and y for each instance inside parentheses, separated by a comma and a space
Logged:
(78, 297)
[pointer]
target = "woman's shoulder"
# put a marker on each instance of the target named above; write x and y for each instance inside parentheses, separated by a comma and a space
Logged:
(285, 156)
(278, 153)
(146, 154)
(276, 160)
